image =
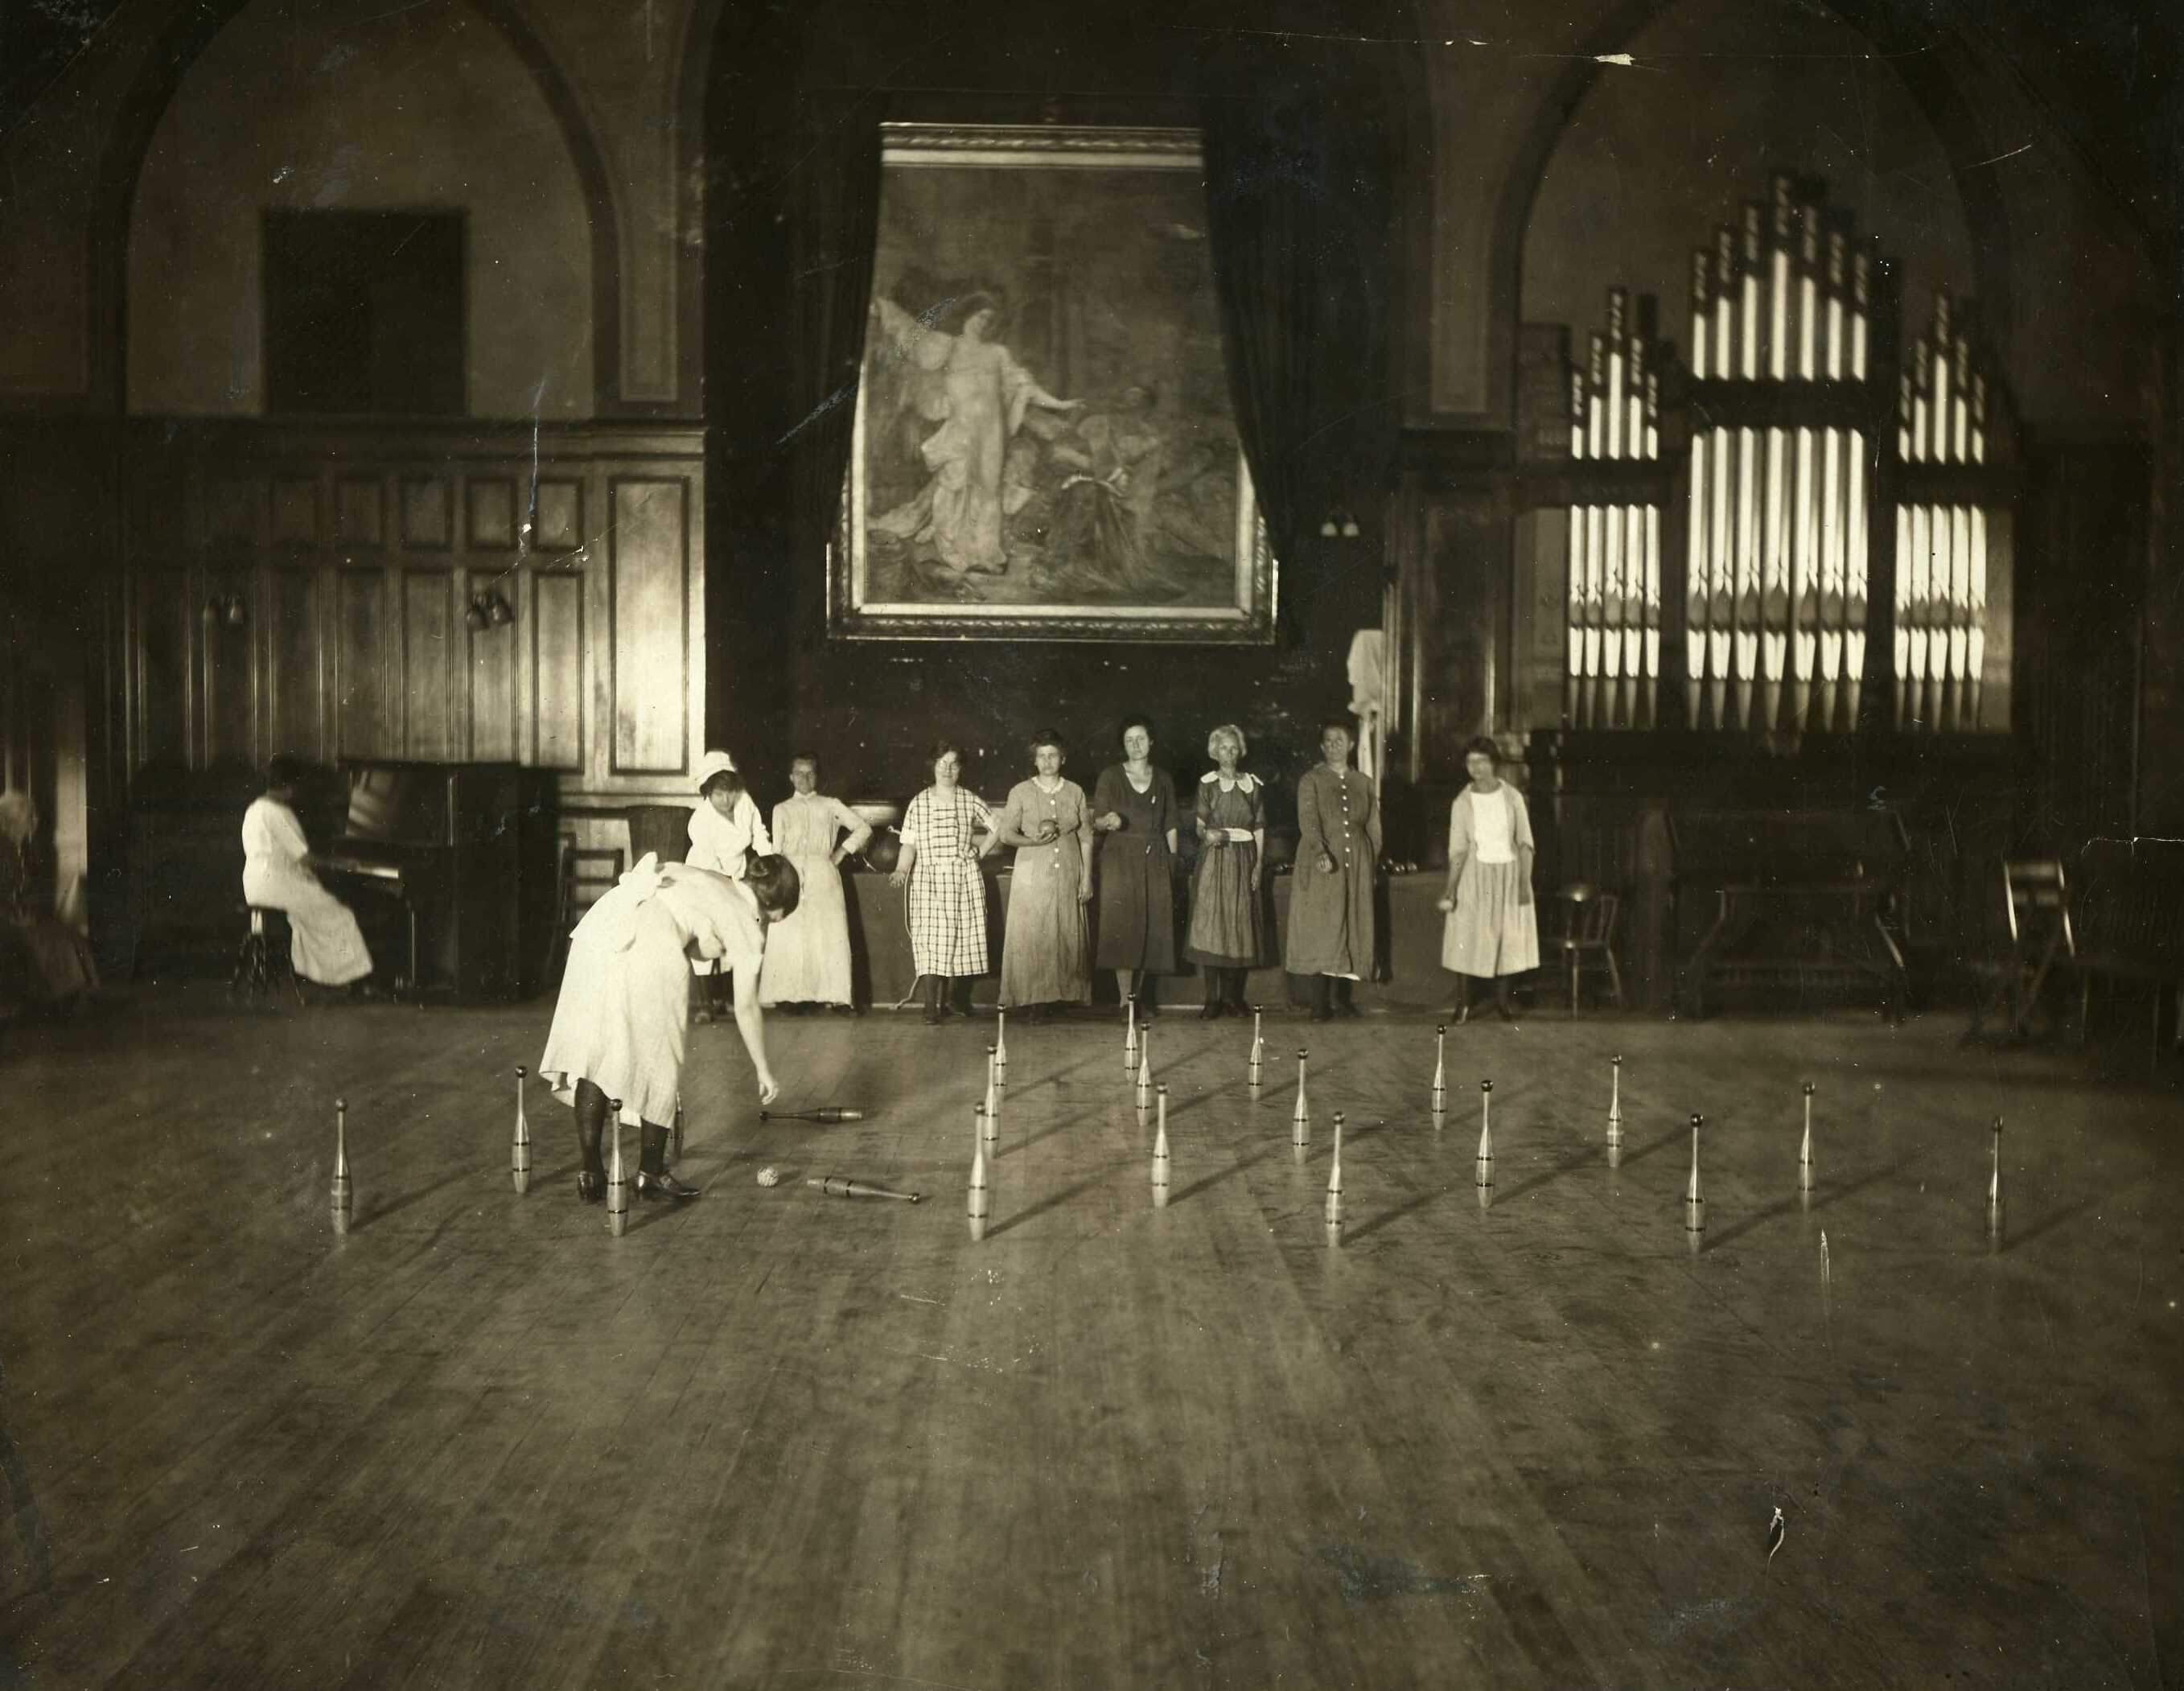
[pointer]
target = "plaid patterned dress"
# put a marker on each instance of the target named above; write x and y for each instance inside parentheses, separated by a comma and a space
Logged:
(947, 892)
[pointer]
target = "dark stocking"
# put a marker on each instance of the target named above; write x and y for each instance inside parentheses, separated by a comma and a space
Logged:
(591, 1125)
(652, 1156)
(960, 995)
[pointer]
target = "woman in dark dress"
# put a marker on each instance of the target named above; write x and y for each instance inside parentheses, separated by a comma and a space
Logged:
(1225, 940)
(1134, 812)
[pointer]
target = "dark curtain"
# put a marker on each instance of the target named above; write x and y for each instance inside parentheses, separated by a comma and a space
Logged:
(1299, 203)
(832, 279)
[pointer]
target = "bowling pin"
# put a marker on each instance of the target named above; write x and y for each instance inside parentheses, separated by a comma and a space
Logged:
(1439, 1096)
(1615, 1102)
(1252, 1074)
(1001, 1046)
(1805, 1151)
(1160, 1156)
(1144, 1074)
(1482, 1167)
(993, 1089)
(1130, 1033)
(344, 1194)
(1300, 1116)
(1694, 1200)
(1334, 1188)
(1994, 1198)
(617, 1181)
(980, 1205)
(519, 1156)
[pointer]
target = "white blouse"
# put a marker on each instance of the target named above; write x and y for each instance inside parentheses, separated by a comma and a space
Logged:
(1493, 827)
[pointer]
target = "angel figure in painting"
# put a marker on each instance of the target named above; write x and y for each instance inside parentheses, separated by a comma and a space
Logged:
(976, 394)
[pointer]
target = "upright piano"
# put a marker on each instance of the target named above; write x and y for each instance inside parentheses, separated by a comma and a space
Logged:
(462, 857)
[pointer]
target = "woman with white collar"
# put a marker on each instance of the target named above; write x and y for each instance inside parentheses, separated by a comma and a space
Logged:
(726, 832)
(1226, 937)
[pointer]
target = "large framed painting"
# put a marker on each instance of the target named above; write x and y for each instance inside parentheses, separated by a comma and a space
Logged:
(1044, 445)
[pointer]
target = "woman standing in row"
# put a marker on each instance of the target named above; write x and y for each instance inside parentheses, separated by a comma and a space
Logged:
(1045, 962)
(807, 957)
(1133, 812)
(1232, 846)
(1493, 930)
(939, 865)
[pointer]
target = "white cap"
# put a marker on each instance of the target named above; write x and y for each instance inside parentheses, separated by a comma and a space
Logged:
(714, 763)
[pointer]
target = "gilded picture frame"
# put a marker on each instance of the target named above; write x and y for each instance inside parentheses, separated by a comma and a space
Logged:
(1044, 445)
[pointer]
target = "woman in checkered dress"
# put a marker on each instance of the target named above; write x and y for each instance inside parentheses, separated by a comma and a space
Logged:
(939, 865)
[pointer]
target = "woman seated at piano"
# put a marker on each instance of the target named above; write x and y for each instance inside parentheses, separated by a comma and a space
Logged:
(619, 1028)
(325, 945)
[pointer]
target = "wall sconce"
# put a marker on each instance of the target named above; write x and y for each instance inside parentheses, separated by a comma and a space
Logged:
(1338, 524)
(230, 610)
(487, 610)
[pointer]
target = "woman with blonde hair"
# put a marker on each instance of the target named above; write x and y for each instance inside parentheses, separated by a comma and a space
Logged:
(1226, 938)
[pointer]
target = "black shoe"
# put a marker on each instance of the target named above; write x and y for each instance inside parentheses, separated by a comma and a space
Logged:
(591, 1187)
(663, 1187)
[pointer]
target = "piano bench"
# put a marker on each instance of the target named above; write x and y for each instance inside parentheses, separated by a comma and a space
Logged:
(262, 961)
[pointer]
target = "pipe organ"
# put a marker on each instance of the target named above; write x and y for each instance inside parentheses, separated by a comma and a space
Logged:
(1780, 509)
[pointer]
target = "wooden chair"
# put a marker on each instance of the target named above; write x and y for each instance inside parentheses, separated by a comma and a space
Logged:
(2035, 901)
(1589, 938)
(570, 880)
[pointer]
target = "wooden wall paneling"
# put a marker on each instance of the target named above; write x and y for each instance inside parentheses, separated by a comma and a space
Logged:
(558, 522)
(1459, 569)
(490, 666)
(427, 514)
(648, 652)
(296, 680)
(364, 634)
(297, 512)
(491, 514)
(162, 682)
(360, 513)
(228, 716)
(555, 643)
(428, 665)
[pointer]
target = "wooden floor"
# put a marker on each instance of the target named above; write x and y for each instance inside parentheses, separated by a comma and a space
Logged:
(776, 1439)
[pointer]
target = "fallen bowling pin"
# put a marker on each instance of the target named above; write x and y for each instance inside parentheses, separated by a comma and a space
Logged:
(617, 1182)
(1805, 1149)
(1694, 1199)
(1334, 1188)
(1482, 1165)
(829, 1114)
(1160, 1156)
(1615, 1102)
(344, 1194)
(519, 1155)
(839, 1185)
